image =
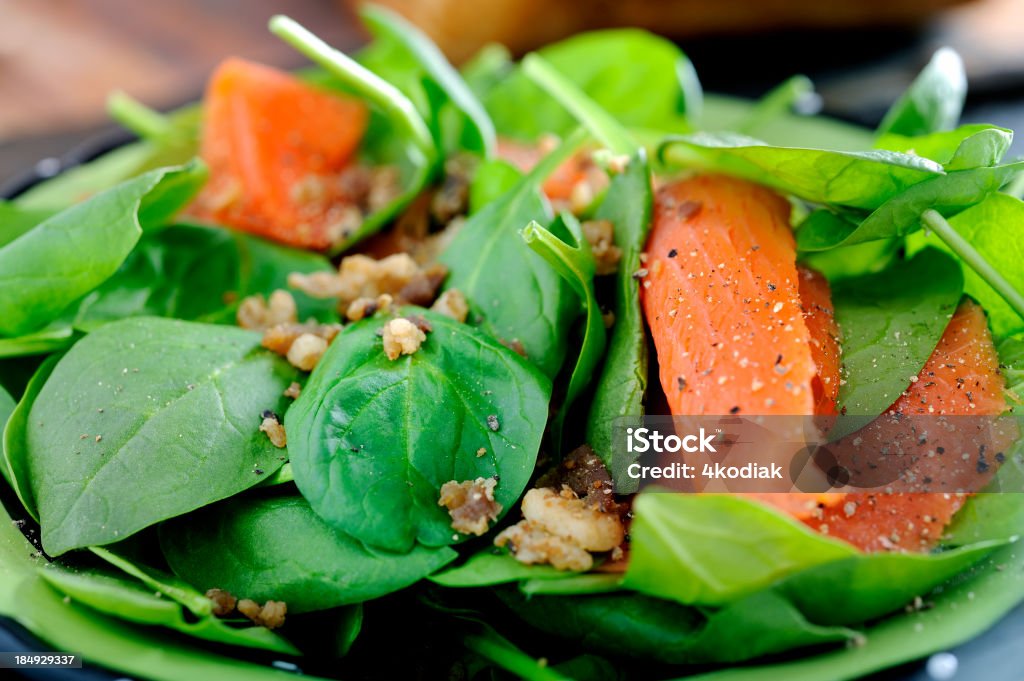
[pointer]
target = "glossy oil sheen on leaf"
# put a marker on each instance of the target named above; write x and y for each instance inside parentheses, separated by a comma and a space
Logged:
(711, 549)
(890, 324)
(373, 440)
(69, 254)
(281, 550)
(146, 419)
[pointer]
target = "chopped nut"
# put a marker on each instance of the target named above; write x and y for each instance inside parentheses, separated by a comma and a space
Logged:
(279, 338)
(271, 615)
(452, 198)
(471, 504)
(601, 236)
(385, 187)
(422, 288)
(306, 351)
(223, 602)
(361, 308)
(256, 313)
(532, 545)
(402, 337)
(293, 391)
(271, 425)
(360, 276)
(452, 304)
(567, 516)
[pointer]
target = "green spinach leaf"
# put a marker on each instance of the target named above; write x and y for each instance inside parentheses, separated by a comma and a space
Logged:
(117, 595)
(641, 80)
(933, 101)
(281, 550)
(948, 194)
(969, 146)
(622, 382)
(71, 253)
(388, 26)
(513, 293)
(200, 273)
(461, 392)
(711, 549)
(575, 263)
(56, 336)
(995, 230)
(15, 438)
(890, 324)
(858, 179)
(145, 419)
(959, 612)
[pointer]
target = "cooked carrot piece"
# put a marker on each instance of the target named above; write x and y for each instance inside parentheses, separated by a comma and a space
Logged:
(721, 294)
(275, 147)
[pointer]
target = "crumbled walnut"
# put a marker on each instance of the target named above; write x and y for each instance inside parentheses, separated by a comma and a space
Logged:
(223, 602)
(293, 391)
(533, 545)
(256, 313)
(471, 504)
(402, 337)
(359, 276)
(272, 426)
(561, 529)
(452, 198)
(452, 304)
(278, 339)
(385, 187)
(567, 516)
(584, 473)
(601, 236)
(271, 615)
(361, 308)
(306, 351)
(422, 288)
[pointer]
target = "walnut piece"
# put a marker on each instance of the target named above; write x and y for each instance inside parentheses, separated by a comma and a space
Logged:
(271, 615)
(402, 337)
(361, 277)
(452, 304)
(471, 504)
(302, 344)
(256, 313)
(533, 545)
(306, 351)
(274, 429)
(601, 236)
(223, 602)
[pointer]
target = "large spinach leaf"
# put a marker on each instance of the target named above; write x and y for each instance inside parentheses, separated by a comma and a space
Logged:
(575, 263)
(69, 254)
(859, 179)
(15, 439)
(969, 146)
(642, 80)
(890, 324)
(281, 550)
(146, 419)
(948, 194)
(622, 383)
(711, 549)
(933, 101)
(118, 595)
(474, 129)
(105, 641)
(994, 229)
(200, 273)
(957, 613)
(514, 294)
(646, 628)
(373, 440)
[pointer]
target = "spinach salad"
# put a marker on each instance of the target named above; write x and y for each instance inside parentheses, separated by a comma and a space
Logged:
(323, 372)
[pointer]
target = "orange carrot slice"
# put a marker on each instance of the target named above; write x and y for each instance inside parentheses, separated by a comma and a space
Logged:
(275, 147)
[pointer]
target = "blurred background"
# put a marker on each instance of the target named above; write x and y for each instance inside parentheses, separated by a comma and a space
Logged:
(60, 58)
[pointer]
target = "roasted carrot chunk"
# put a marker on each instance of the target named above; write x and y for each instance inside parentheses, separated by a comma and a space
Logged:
(275, 147)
